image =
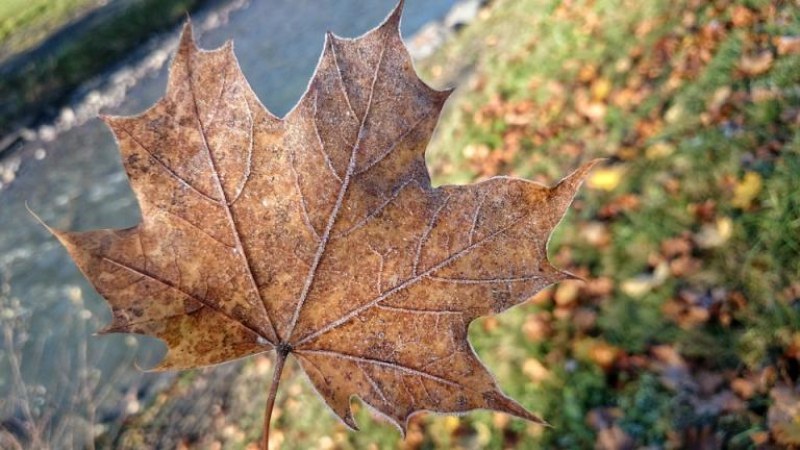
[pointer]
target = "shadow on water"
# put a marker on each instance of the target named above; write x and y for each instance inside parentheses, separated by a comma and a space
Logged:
(58, 383)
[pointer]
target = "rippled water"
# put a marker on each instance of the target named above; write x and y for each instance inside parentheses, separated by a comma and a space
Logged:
(76, 182)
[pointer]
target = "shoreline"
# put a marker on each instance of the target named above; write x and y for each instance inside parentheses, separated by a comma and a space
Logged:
(39, 81)
(74, 105)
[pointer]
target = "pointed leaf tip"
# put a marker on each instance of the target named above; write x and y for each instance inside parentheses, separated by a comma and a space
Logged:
(396, 14)
(444, 94)
(350, 421)
(566, 275)
(500, 402)
(110, 120)
(187, 37)
(566, 189)
(55, 232)
(577, 177)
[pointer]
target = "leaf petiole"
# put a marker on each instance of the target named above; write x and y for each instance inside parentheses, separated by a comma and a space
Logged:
(282, 352)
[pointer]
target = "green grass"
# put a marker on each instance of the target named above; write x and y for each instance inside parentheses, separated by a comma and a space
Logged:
(23, 23)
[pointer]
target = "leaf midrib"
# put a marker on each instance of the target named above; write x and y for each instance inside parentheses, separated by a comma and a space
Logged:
(226, 205)
(351, 165)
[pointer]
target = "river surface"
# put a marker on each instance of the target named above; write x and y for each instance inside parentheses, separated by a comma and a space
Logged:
(73, 179)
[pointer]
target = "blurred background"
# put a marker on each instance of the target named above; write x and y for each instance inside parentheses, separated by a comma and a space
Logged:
(685, 333)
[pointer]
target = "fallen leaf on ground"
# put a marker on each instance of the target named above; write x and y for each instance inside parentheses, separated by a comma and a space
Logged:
(606, 179)
(741, 16)
(747, 190)
(535, 370)
(754, 65)
(319, 234)
(783, 416)
(788, 45)
(609, 435)
(659, 150)
(567, 293)
(716, 234)
(743, 387)
(639, 286)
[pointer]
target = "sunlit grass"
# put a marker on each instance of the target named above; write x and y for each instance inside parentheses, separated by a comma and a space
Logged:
(23, 23)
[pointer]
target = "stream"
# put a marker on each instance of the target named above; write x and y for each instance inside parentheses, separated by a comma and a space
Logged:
(57, 380)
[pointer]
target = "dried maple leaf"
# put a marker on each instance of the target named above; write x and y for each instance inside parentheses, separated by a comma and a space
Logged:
(319, 234)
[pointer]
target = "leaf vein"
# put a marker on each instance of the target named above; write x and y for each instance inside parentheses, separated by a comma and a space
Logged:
(334, 215)
(303, 203)
(169, 170)
(325, 155)
(406, 284)
(485, 280)
(229, 213)
(178, 289)
(372, 383)
(374, 213)
(249, 166)
(381, 363)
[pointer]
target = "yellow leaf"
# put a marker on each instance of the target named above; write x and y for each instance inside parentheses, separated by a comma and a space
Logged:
(659, 150)
(600, 89)
(451, 423)
(716, 234)
(606, 179)
(747, 190)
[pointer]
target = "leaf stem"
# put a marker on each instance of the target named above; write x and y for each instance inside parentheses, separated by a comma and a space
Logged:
(282, 353)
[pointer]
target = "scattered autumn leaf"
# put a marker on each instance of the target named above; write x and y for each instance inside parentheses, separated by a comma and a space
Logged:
(596, 233)
(754, 65)
(319, 234)
(743, 387)
(601, 88)
(788, 45)
(783, 416)
(747, 190)
(659, 150)
(602, 353)
(535, 370)
(741, 16)
(609, 434)
(606, 179)
(715, 234)
(566, 293)
(618, 205)
(537, 326)
(642, 284)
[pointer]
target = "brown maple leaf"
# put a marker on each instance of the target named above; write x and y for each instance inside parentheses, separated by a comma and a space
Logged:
(319, 234)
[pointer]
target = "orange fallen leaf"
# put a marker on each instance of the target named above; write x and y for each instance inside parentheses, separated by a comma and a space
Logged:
(788, 45)
(754, 65)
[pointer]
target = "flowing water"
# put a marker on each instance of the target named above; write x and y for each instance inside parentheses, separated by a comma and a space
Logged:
(53, 372)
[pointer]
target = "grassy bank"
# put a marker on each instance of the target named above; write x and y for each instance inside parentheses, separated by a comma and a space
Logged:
(45, 80)
(25, 23)
(685, 334)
